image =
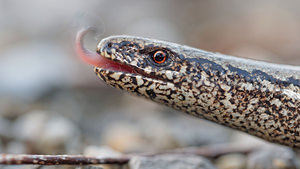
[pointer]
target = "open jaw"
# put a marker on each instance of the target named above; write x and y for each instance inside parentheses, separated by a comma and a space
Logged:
(102, 62)
(114, 66)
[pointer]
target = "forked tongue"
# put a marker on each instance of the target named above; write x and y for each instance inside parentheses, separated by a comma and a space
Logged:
(94, 58)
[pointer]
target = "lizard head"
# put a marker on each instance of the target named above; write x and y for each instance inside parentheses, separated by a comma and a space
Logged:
(142, 66)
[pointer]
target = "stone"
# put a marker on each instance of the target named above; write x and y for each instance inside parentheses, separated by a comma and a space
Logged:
(189, 131)
(47, 132)
(273, 157)
(93, 167)
(1, 146)
(101, 152)
(231, 161)
(138, 137)
(123, 137)
(16, 147)
(170, 162)
(4, 127)
(110, 166)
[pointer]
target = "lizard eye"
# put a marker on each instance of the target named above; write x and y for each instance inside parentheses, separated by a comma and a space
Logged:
(159, 57)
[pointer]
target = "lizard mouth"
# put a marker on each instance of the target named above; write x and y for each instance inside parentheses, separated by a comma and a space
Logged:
(101, 62)
(96, 59)
(114, 66)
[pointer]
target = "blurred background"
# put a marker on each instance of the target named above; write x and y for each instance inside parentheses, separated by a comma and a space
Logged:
(51, 102)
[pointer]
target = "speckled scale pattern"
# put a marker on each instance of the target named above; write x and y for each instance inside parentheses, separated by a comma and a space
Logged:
(259, 98)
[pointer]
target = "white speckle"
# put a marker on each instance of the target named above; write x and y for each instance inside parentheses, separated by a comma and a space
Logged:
(183, 69)
(139, 81)
(248, 86)
(225, 87)
(147, 70)
(169, 75)
(284, 112)
(133, 63)
(113, 56)
(113, 50)
(228, 104)
(261, 109)
(291, 94)
(116, 76)
(277, 102)
(152, 86)
(254, 100)
(168, 86)
(126, 79)
(266, 85)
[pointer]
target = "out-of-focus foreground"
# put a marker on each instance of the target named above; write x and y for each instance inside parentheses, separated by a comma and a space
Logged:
(52, 103)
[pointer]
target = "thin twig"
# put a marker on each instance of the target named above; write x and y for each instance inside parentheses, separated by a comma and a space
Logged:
(211, 151)
(58, 160)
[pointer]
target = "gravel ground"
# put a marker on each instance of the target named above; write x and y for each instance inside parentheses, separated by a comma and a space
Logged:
(61, 107)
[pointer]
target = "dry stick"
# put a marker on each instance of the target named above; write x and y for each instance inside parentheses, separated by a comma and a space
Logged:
(58, 160)
(206, 151)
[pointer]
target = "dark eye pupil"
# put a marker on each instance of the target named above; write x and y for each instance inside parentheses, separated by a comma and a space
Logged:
(159, 57)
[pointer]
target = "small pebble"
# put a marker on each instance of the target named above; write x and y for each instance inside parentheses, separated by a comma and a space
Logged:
(93, 167)
(47, 132)
(189, 131)
(123, 137)
(170, 162)
(273, 157)
(1, 146)
(101, 152)
(138, 137)
(16, 147)
(231, 161)
(4, 127)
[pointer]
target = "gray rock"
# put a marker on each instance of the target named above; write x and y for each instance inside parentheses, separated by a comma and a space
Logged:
(101, 152)
(4, 127)
(231, 161)
(105, 167)
(1, 146)
(137, 137)
(273, 157)
(47, 132)
(93, 167)
(170, 162)
(190, 131)
(16, 147)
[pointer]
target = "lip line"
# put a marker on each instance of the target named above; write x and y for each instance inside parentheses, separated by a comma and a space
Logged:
(135, 72)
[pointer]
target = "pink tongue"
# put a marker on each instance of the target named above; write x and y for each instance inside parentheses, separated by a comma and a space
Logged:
(96, 59)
